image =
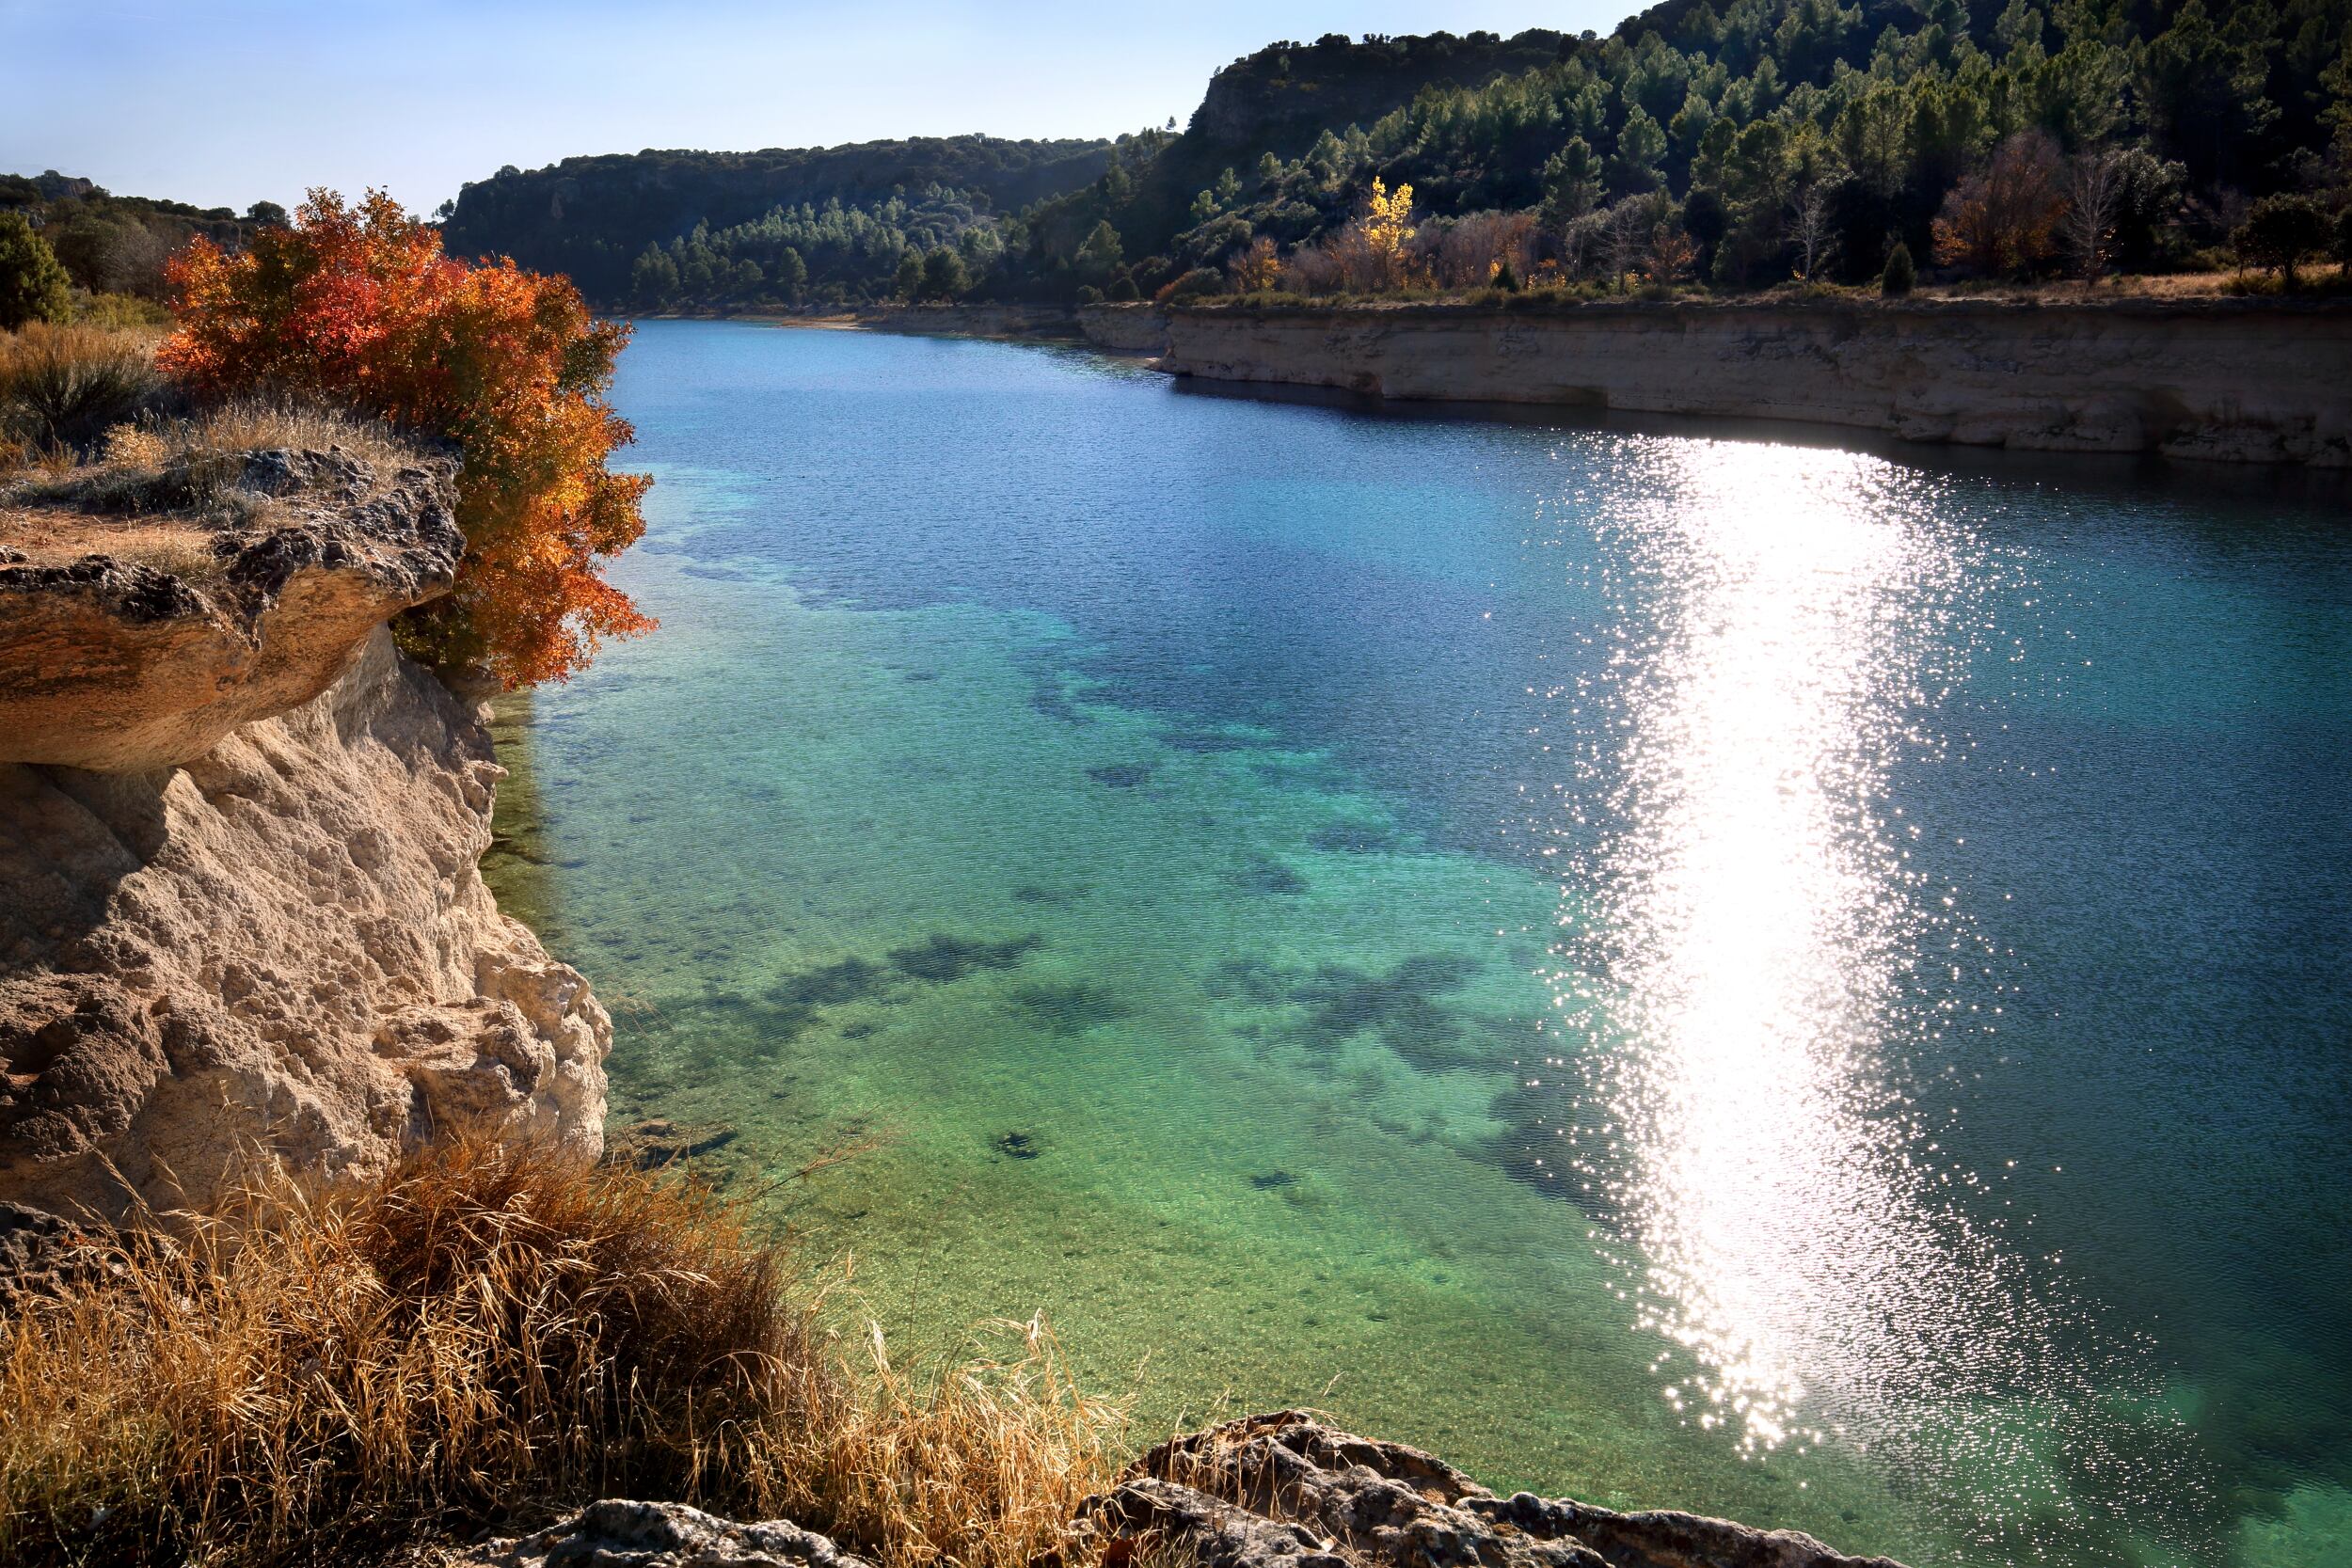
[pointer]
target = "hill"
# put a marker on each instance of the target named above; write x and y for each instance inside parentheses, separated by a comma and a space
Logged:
(593, 216)
(116, 244)
(1729, 144)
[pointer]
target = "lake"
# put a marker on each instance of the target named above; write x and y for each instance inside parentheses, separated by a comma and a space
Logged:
(1674, 966)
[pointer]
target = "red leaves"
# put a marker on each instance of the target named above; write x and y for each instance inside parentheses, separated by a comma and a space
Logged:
(359, 305)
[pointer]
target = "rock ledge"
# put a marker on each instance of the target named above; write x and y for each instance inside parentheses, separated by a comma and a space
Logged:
(1285, 1491)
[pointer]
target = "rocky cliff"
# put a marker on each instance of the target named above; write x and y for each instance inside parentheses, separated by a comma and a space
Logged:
(239, 836)
(2233, 380)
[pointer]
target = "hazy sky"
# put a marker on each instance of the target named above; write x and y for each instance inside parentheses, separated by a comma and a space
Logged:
(225, 102)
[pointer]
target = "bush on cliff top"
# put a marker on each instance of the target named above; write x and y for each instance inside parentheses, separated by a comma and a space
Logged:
(357, 305)
(493, 1335)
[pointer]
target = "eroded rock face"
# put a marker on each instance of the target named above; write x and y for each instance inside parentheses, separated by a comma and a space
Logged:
(1284, 1491)
(280, 949)
(2243, 381)
(117, 666)
(616, 1534)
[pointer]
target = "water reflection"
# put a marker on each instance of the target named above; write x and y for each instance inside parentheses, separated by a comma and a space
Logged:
(1767, 966)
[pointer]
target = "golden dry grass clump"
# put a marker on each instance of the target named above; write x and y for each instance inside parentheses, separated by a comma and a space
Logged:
(60, 387)
(489, 1334)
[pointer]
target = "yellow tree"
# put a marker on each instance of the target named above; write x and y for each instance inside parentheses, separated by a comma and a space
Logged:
(1257, 267)
(1388, 224)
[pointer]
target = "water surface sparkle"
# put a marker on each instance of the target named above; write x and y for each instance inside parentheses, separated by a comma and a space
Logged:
(1769, 970)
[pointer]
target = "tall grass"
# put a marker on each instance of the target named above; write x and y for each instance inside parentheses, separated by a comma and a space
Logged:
(62, 387)
(489, 1335)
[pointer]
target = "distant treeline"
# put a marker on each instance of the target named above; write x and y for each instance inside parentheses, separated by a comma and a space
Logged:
(116, 244)
(1729, 146)
(768, 226)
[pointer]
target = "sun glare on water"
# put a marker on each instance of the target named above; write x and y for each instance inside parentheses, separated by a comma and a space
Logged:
(1767, 981)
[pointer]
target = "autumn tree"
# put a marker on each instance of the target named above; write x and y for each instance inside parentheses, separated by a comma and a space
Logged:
(1257, 267)
(1375, 251)
(1810, 227)
(2004, 219)
(359, 305)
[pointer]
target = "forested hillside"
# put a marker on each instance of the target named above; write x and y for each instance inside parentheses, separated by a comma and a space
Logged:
(116, 244)
(1700, 144)
(859, 206)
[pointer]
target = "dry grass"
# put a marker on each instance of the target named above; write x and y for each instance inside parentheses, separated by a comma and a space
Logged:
(255, 425)
(61, 387)
(157, 490)
(491, 1334)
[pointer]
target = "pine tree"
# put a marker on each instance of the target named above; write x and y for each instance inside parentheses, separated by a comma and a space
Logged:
(33, 286)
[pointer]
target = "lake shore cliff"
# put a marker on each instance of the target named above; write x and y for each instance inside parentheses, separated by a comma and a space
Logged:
(2239, 381)
(239, 835)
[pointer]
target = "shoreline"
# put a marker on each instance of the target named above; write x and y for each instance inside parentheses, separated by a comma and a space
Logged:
(2218, 380)
(2242, 381)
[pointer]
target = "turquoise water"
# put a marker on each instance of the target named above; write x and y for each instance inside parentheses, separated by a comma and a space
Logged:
(1677, 968)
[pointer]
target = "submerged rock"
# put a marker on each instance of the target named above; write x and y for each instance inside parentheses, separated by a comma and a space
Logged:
(660, 1142)
(618, 1534)
(1285, 1491)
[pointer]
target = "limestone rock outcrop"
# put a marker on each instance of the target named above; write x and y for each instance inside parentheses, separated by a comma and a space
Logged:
(618, 1534)
(1285, 1491)
(2251, 381)
(118, 665)
(247, 925)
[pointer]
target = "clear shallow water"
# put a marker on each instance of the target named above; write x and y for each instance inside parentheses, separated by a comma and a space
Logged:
(1693, 972)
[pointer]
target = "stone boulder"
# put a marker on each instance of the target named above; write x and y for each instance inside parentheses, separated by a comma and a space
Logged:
(617, 1534)
(1285, 1491)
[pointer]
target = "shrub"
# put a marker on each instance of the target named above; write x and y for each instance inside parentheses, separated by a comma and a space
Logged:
(489, 1333)
(359, 305)
(62, 387)
(1902, 274)
(1196, 284)
(1089, 294)
(1256, 267)
(2343, 247)
(33, 285)
(1124, 290)
(2281, 231)
(125, 310)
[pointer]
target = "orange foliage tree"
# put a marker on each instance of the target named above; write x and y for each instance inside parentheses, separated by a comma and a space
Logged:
(2006, 219)
(359, 305)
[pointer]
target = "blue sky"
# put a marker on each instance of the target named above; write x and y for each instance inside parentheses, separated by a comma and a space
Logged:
(227, 102)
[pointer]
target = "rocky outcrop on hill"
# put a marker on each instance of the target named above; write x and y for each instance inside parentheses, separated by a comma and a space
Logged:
(1285, 1491)
(2249, 381)
(239, 836)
